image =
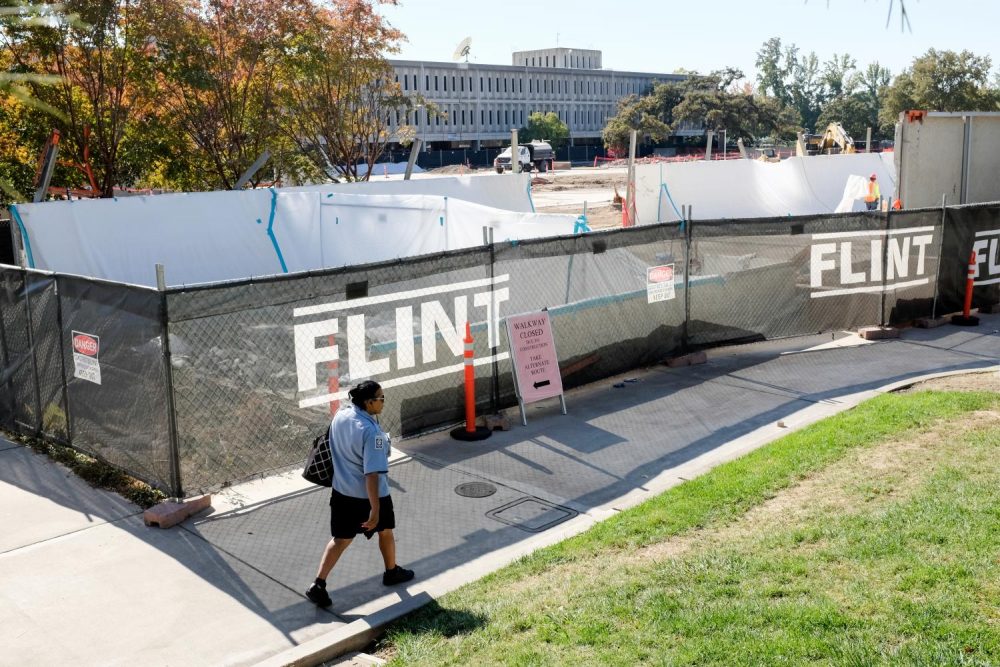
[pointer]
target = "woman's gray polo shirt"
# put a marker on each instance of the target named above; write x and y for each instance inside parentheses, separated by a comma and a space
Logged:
(359, 447)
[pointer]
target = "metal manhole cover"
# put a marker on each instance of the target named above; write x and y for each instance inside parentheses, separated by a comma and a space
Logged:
(531, 514)
(475, 489)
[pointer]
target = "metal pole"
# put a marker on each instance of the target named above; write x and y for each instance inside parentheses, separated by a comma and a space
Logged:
(937, 279)
(48, 167)
(495, 342)
(885, 267)
(685, 343)
(176, 487)
(31, 351)
(515, 154)
(868, 141)
(62, 362)
(708, 144)
(254, 168)
(5, 357)
(966, 160)
(414, 150)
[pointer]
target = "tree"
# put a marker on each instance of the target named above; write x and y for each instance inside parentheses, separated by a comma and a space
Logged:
(338, 95)
(218, 70)
(807, 89)
(545, 127)
(941, 81)
(774, 67)
(99, 57)
(651, 115)
(719, 104)
(634, 113)
(838, 76)
(854, 112)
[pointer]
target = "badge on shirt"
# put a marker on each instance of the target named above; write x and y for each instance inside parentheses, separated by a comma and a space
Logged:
(378, 443)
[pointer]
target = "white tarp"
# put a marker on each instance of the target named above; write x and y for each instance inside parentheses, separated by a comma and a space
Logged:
(752, 189)
(216, 236)
(511, 194)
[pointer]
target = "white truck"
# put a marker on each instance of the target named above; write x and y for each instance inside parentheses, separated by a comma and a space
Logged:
(536, 155)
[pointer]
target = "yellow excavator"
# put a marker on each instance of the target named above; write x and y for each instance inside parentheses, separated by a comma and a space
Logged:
(833, 140)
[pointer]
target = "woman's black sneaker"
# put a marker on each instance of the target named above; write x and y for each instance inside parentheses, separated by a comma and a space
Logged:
(396, 575)
(319, 597)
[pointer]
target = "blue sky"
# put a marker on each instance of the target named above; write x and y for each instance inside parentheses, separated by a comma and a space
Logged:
(663, 35)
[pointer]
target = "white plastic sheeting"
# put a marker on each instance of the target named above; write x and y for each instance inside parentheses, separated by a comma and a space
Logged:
(217, 236)
(511, 194)
(753, 189)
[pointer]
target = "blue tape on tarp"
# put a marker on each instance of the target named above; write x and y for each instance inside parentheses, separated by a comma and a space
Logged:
(270, 230)
(24, 236)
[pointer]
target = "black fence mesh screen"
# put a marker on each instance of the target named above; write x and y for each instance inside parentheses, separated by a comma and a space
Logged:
(21, 409)
(911, 264)
(255, 367)
(970, 228)
(757, 279)
(258, 367)
(48, 355)
(595, 289)
(115, 376)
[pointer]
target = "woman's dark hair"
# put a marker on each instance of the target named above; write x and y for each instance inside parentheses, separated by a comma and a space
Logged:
(364, 391)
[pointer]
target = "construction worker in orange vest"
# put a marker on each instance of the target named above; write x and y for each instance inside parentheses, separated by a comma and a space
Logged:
(874, 194)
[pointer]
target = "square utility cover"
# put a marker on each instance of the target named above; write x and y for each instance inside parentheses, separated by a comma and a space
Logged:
(531, 514)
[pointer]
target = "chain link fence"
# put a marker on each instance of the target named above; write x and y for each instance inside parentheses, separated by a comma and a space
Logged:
(198, 387)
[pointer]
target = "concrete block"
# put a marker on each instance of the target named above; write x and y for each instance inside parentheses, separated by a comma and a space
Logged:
(500, 422)
(692, 359)
(562, 165)
(878, 333)
(931, 322)
(170, 513)
(992, 309)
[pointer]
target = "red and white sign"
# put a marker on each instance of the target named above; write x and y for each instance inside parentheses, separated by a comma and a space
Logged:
(86, 364)
(86, 344)
(660, 283)
(533, 352)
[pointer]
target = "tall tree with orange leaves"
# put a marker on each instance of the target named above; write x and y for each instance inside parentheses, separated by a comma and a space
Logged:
(338, 89)
(218, 63)
(97, 55)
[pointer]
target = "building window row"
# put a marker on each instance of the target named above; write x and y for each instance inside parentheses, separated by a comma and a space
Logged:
(550, 85)
(496, 119)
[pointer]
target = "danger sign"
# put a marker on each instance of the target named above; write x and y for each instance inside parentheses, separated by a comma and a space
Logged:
(86, 365)
(659, 283)
(86, 344)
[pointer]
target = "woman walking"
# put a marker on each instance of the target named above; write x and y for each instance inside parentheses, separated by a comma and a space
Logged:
(360, 501)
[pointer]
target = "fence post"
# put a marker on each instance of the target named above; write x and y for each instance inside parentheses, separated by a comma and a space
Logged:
(34, 361)
(885, 268)
(62, 362)
(5, 358)
(494, 342)
(686, 214)
(176, 487)
(937, 278)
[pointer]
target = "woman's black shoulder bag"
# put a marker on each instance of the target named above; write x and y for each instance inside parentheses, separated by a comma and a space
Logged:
(319, 465)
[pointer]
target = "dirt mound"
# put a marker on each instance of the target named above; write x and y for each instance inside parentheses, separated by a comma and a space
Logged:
(451, 169)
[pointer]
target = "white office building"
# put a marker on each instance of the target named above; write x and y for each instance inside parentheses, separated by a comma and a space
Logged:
(478, 105)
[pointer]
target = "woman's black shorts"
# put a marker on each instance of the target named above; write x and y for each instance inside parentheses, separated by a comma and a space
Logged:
(348, 513)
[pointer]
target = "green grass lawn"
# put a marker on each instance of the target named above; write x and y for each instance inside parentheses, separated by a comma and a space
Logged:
(870, 538)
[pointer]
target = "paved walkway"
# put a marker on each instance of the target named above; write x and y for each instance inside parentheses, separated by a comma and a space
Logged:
(84, 582)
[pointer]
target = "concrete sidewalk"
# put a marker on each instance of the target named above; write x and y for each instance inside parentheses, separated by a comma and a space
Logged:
(85, 582)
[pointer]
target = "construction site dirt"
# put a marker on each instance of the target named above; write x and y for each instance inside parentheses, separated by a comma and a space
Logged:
(585, 190)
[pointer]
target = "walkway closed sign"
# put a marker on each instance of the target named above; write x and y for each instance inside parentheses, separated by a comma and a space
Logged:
(533, 353)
